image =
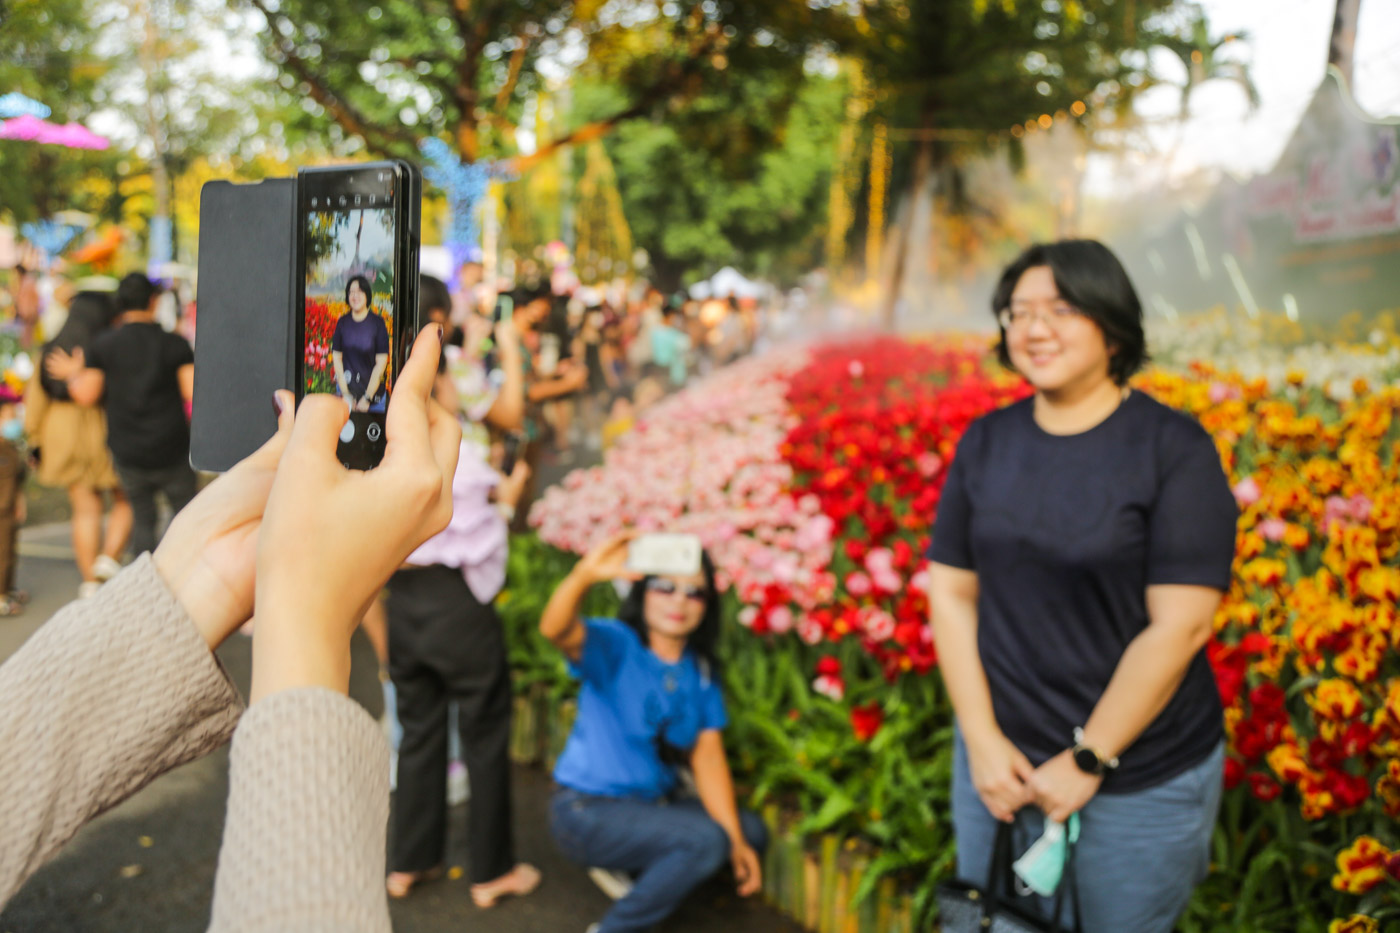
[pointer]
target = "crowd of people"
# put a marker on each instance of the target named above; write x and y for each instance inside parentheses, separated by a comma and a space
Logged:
(1083, 540)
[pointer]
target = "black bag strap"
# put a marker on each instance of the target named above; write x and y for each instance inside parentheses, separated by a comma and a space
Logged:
(1068, 886)
(1001, 879)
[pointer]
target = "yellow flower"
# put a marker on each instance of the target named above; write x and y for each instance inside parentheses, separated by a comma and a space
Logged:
(1360, 866)
(1335, 699)
(1356, 923)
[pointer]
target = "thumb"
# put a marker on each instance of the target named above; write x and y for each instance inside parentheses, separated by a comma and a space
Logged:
(316, 430)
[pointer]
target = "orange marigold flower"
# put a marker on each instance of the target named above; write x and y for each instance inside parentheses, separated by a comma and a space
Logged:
(1356, 923)
(1360, 866)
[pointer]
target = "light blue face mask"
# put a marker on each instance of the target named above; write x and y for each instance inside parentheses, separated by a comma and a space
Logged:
(1041, 868)
(12, 430)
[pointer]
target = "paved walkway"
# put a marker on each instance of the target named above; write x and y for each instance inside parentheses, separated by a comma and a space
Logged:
(148, 865)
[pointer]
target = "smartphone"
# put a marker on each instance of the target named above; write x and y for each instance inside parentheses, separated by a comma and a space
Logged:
(548, 358)
(510, 452)
(356, 284)
(664, 555)
(505, 307)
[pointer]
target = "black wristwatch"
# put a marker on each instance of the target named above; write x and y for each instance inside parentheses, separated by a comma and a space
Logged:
(1087, 759)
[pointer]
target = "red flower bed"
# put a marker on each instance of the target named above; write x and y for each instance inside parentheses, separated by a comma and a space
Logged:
(876, 422)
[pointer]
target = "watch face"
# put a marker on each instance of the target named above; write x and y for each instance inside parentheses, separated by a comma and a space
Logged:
(1087, 761)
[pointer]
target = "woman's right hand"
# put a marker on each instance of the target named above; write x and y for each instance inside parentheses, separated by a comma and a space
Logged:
(999, 774)
(331, 537)
(607, 560)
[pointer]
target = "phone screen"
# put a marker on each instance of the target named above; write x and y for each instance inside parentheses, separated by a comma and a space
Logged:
(348, 220)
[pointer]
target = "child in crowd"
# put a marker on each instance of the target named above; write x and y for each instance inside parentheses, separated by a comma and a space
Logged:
(12, 506)
(621, 419)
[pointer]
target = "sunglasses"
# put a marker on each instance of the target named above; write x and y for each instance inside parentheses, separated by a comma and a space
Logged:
(664, 587)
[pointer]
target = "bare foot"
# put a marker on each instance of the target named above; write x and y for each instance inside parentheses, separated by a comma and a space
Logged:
(400, 883)
(519, 881)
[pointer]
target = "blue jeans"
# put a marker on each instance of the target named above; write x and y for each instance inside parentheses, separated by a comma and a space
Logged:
(1139, 856)
(671, 847)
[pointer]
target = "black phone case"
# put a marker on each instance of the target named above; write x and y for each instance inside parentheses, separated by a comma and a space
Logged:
(244, 325)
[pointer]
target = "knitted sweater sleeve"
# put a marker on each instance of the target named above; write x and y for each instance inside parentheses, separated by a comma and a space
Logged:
(109, 694)
(308, 808)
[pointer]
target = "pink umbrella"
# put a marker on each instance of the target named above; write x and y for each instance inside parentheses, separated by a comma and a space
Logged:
(76, 136)
(32, 129)
(25, 127)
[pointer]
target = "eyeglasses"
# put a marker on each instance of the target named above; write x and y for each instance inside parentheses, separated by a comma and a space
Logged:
(664, 587)
(1052, 316)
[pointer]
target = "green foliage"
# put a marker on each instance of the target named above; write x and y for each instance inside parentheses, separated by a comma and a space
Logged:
(47, 52)
(706, 193)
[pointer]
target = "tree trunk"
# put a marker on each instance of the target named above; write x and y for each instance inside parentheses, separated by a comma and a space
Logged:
(902, 240)
(1340, 52)
(160, 179)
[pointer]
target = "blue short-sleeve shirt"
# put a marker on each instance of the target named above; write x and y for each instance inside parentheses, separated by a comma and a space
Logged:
(631, 702)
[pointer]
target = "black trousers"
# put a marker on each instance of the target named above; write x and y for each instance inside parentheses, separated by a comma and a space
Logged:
(176, 482)
(445, 645)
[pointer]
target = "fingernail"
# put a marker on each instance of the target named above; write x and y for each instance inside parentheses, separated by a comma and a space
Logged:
(277, 403)
(439, 332)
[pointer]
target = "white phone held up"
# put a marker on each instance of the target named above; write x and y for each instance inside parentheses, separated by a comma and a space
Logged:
(670, 555)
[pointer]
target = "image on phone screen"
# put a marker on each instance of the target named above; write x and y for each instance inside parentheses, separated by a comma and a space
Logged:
(348, 248)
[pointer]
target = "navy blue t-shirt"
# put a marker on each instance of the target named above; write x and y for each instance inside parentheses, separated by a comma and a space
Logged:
(631, 702)
(358, 342)
(1065, 534)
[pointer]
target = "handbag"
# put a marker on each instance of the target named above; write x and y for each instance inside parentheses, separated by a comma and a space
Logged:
(966, 908)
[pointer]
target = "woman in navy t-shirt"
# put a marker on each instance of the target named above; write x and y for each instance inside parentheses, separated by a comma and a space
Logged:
(650, 700)
(360, 350)
(1083, 540)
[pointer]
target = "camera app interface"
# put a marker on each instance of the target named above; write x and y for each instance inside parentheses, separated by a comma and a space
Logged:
(348, 245)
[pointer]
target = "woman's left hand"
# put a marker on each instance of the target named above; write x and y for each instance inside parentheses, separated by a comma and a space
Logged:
(208, 555)
(362, 404)
(748, 869)
(1060, 788)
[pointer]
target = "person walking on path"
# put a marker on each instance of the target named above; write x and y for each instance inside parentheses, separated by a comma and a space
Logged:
(650, 700)
(146, 376)
(1083, 540)
(68, 441)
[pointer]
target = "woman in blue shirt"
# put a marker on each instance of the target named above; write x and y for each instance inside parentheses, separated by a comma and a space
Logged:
(650, 700)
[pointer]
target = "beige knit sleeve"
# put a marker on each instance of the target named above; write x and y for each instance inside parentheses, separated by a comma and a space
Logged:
(308, 807)
(110, 693)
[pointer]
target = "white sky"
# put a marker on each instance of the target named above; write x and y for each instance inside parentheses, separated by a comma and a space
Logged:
(1287, 51)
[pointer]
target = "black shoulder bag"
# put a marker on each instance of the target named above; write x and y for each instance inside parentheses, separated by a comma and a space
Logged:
(966, 908)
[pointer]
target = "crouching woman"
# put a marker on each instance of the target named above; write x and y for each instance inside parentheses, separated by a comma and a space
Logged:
(650, 701)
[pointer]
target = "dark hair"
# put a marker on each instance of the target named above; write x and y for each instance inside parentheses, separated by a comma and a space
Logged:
(364, 287)
(135, 291)
(89, 314)
(704, 641)
(432, 296)
(1091, 278)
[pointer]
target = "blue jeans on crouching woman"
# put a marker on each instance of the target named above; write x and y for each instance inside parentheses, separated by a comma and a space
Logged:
(670, 846)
